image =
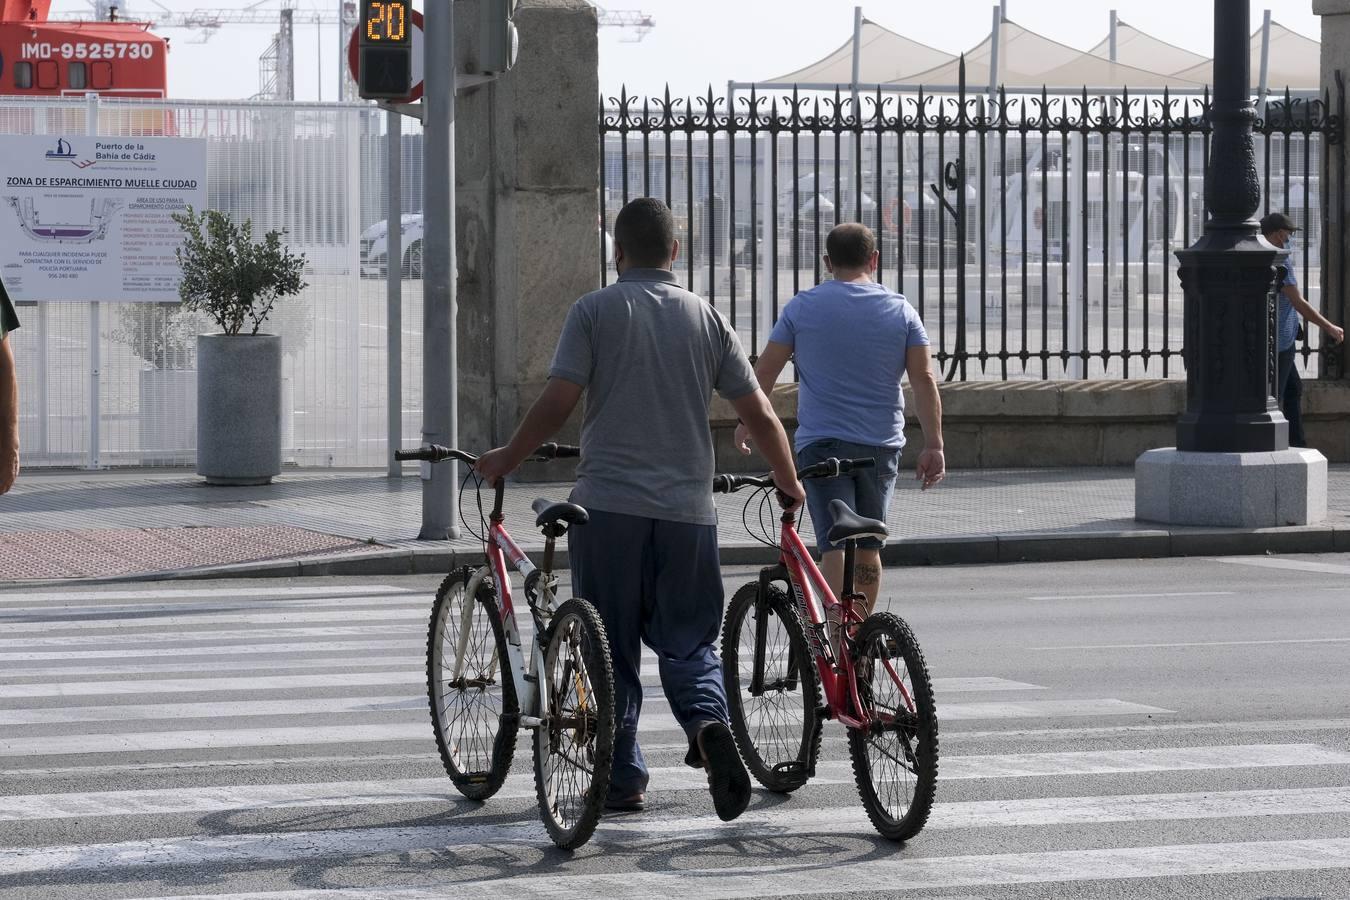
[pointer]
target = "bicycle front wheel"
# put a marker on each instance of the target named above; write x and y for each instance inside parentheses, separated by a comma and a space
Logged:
(773, 693)
(895, 758)
(474, 710)
(574, 745)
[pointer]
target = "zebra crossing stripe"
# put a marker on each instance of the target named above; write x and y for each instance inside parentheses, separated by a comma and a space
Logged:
(345, 648)
(188, 666)
(159, 594)
(762, 881)
(924, 873)
(208, 638)
(1038, 812)
(271, 617)
(414, 674)
(1045, 709)
(130, 613)
(653, 719)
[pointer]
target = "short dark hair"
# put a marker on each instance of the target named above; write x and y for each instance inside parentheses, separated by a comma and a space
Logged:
(645, 230)
(850, 245)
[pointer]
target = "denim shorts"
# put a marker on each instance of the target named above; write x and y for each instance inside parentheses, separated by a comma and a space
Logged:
(866, 491)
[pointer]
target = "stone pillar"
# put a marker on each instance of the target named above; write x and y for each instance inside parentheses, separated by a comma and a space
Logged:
(1336, 264)
(528, 213)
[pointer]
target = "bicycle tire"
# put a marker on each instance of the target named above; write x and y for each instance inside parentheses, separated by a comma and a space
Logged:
(576, 725)
(781, 752)
(475, 718)
(897, 804)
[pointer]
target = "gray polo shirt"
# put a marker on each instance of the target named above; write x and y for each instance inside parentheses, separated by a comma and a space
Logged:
(649, 354)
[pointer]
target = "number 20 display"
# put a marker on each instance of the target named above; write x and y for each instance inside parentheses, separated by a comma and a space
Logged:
(387, 23)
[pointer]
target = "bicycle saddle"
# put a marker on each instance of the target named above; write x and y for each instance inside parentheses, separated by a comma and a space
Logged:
(848, 524)
(549, 512)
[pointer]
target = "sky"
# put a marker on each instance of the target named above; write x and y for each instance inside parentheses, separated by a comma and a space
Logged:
(698, 43)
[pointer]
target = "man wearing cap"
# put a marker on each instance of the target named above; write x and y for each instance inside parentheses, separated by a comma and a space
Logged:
(9, 397)
(1279, 230)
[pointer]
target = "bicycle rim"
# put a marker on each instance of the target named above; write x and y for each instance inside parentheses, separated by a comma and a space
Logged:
(474, 710)
(574, 745)
(895, 760)
(775, 716)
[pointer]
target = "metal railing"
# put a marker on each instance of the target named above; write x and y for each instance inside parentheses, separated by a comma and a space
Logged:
(1033, 232)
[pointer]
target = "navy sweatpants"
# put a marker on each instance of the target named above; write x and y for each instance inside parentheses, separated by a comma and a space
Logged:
(659, 583)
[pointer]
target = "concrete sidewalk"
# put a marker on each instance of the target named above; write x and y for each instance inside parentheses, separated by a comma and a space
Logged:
(169, 524)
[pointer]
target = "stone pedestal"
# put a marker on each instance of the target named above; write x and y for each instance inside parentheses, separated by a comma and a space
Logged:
(1232, 490)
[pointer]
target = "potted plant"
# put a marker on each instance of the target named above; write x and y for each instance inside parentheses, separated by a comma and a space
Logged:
(164, 336)
(236, 282)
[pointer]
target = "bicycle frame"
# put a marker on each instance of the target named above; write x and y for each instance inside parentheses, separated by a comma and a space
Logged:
(814, 599)
(501, 549)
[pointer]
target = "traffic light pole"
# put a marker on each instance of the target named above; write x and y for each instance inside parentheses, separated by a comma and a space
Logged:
(440, 388)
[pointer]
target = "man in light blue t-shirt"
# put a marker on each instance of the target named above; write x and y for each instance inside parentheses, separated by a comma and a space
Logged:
(852, 340)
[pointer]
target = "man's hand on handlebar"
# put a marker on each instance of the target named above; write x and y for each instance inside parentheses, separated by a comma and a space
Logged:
(495, 465)
(789, 488)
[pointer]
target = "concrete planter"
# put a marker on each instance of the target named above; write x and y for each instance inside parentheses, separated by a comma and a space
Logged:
(238, 408)
(167, 425)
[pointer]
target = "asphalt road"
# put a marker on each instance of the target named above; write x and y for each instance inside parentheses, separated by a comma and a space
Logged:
(1160, 728)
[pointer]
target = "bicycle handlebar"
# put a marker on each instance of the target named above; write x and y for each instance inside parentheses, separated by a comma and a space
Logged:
(435, 453)
(830, 468)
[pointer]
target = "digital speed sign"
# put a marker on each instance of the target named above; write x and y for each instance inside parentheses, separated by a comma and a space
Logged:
(385, 44)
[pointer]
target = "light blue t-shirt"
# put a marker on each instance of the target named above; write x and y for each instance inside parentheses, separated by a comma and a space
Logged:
(849, 342)
(1287, 327)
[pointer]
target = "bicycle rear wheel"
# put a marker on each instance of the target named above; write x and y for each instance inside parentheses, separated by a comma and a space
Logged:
(574, 745)
(474, 710)
(775, 712)
(895, 759)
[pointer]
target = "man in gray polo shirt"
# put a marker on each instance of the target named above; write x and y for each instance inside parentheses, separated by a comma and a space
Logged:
(648, 355)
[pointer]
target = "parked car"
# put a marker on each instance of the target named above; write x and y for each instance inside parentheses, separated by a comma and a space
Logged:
(375, 248)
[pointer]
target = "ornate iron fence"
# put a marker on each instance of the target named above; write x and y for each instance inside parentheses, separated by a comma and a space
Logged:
(1033, 232)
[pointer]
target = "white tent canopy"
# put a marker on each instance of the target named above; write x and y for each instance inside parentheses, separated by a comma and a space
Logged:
(1027, 60)
(1143, 51)
(1294, 62)
(884, 56)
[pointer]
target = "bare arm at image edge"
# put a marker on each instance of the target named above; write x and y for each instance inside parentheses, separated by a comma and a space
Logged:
(932, 464)
(9, 417)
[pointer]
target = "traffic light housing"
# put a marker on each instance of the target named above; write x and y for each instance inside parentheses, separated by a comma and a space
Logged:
(384, 45)
(497, 41)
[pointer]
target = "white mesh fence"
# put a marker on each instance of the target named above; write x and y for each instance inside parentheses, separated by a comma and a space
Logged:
(114, 383)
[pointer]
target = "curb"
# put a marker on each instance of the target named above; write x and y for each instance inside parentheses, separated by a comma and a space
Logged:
(1051, 546)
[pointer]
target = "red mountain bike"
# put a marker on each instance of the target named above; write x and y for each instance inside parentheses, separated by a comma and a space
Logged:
(872, 671)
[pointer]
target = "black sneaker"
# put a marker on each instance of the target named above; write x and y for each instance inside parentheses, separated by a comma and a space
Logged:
(728, 782)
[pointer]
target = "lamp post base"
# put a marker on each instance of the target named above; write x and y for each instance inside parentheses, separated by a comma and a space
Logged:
(1231, 490)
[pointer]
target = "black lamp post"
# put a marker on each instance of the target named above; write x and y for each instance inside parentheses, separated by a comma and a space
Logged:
(1228, 273)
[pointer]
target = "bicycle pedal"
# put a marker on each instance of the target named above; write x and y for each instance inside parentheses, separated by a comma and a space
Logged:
(792, 773)
(481, 778)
